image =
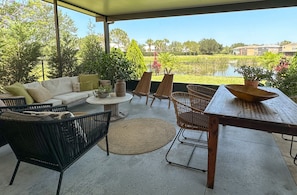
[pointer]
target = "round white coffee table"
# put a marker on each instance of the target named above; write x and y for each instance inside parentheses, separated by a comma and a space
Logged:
(111, 103)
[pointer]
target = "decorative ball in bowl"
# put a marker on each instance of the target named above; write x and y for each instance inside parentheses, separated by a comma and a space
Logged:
(250, 94)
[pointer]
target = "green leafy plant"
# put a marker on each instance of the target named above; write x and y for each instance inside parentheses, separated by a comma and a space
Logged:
(104, 89)
(285, 78)
(254, 73)
(116, 66)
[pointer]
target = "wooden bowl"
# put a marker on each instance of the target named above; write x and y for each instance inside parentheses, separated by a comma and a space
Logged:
(250, 94)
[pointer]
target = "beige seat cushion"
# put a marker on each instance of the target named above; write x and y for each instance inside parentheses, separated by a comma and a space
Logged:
(71, 97)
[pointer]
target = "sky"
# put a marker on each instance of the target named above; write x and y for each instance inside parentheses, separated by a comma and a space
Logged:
(269, 26)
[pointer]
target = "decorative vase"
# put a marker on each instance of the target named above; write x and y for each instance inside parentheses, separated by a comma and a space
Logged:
(251, 83)
(120, 88)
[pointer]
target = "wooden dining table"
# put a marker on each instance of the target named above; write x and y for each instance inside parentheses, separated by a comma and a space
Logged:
(278, 115)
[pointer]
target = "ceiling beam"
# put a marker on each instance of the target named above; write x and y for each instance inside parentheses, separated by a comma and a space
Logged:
(266, 4)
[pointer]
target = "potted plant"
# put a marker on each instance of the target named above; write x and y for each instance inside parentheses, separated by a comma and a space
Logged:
(117, 69)
(253, 75)
(103, 91)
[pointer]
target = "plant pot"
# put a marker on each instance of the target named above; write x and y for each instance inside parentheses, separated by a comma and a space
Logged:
(103, 95)
(120, 88)
(251, 83)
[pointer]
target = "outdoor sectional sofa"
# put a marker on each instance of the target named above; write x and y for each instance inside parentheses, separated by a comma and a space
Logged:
(59, 91)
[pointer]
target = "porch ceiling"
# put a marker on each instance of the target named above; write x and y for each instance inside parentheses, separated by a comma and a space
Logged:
(114, 10)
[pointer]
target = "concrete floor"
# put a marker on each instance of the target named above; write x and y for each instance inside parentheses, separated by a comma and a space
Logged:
(248, 162)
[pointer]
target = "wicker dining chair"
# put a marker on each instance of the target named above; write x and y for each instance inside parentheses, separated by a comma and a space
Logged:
(192, 119)
(144, 86)
(164, 90)
(201, 90)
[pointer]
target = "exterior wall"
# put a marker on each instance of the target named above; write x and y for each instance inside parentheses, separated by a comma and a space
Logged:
(250, 52)
(290, 49)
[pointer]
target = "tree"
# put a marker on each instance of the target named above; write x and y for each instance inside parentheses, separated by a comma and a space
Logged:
(68, 59)
(135, 56)
(191, 47)
(226, 50)
(20, 47)
(165, 42)
(159, 45)
(91, 52)
(285, 42)
(27, 32)
(269, 60)
(237, 45)
(210, 46)
(176, 47)
(119, 38)
(149, 43)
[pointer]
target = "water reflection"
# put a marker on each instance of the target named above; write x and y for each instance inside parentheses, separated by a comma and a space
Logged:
(229, 72)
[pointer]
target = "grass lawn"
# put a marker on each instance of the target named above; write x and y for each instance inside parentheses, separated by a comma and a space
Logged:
(211, 80)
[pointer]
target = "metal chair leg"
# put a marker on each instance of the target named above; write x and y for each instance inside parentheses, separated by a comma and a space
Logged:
(107, 148)
(152, 101)
(146, 99)
(178, 164)
(289, 139)
(291, 148)
(196, 141)
(14, 172)
(59, 184)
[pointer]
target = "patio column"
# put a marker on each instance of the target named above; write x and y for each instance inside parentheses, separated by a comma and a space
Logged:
(58, 37)
(106, 34)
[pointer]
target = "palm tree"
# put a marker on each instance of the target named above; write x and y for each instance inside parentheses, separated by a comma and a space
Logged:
(150, 42)
(159, 44)
(165, 43)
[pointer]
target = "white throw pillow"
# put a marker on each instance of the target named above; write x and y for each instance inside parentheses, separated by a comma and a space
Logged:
(76, 87)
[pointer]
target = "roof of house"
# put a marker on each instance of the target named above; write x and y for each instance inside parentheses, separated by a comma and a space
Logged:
(114, 10)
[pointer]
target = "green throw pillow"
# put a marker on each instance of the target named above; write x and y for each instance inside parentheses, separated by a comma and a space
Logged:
(86, 86)
(93, 78)
(17, 89)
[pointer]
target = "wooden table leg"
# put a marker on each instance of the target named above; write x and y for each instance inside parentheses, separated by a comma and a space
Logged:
(212, 149)
(113, 107)
(115, 113)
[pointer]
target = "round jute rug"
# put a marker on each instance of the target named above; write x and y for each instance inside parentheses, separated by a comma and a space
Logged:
(138, 135)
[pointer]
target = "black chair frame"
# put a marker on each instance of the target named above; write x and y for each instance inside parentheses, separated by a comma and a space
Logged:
(54, 144)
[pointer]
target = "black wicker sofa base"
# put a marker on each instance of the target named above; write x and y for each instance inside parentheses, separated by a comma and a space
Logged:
(51, 143)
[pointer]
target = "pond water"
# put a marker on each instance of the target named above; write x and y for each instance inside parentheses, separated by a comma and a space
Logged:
(229, 72)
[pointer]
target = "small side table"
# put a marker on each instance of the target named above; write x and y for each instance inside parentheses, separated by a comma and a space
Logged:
(111, 103)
